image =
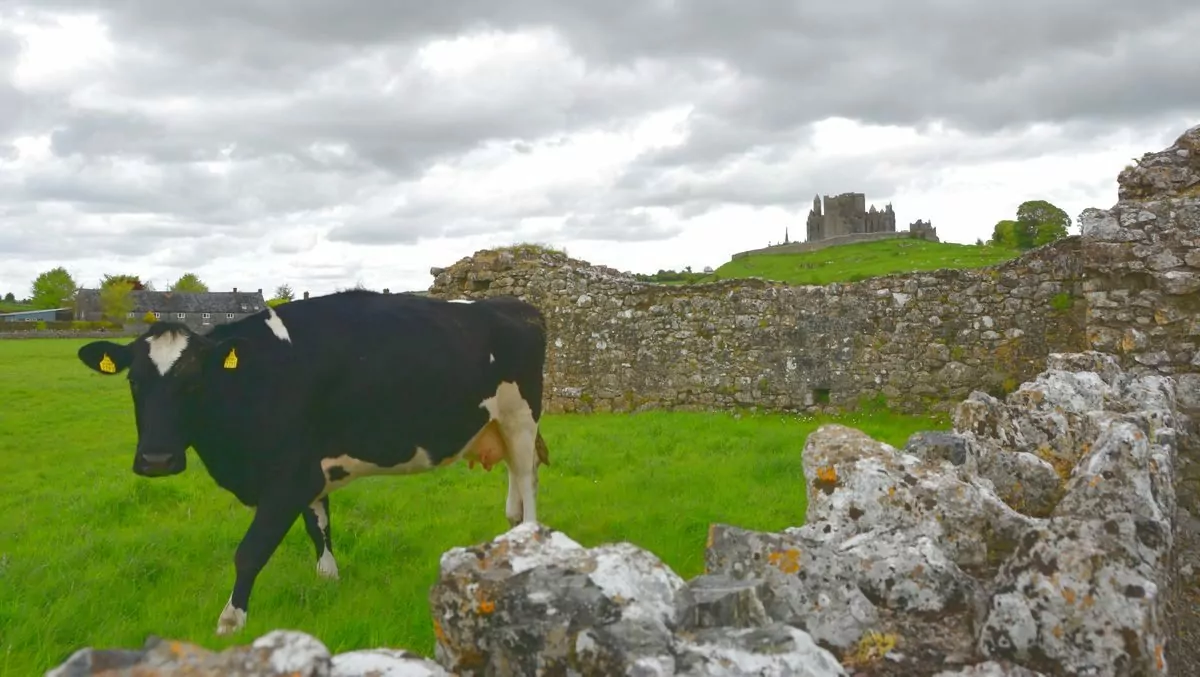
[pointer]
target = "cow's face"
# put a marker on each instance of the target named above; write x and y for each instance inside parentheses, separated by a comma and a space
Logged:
(166, 368)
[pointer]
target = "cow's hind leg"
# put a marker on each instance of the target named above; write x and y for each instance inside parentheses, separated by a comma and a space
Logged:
(317, 523)
(520, 432)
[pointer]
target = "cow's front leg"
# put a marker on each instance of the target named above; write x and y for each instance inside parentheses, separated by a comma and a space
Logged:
(317, 523)
(271, 522)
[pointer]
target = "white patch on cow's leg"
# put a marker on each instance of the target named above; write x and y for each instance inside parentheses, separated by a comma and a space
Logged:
(326, 564)
(166, 348)
(277, 326)
(513, 509)
(461, 301)
(511, 410)
(232, 619)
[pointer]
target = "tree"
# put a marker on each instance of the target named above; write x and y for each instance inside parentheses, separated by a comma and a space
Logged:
(134, 281)
(1006, 234)
(54, 288)
(284, 292)
(115, 301)
(1042, 221)
(10, 298)
(189, 282)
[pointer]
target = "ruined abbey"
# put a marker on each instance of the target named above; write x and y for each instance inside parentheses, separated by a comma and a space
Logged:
(846, 219)
(847, 214)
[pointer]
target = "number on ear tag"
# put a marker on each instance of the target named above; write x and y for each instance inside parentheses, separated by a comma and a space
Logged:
(231, 359)
(107, 365)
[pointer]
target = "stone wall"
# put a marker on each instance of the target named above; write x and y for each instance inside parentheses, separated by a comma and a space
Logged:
(1130, 285)
(920, 341)
(1034, 539)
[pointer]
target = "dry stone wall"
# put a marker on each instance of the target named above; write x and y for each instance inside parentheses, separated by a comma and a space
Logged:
(919, 341)
(1129, 285)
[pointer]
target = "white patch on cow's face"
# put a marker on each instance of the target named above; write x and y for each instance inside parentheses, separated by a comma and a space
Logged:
(491, 358)
(462, 301)
(277, 327)
(166, 348)
(356, 468)
(519, 428)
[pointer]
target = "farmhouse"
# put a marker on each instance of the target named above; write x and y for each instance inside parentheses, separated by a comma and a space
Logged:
(195, 309)
(41, 315)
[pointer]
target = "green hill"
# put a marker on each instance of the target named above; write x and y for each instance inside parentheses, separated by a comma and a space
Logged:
(853, 262)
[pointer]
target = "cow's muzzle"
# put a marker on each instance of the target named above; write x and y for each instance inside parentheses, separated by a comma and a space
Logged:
(159, 465)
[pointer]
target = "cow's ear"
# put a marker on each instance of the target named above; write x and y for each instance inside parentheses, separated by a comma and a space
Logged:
(105, 357)
(228, 355)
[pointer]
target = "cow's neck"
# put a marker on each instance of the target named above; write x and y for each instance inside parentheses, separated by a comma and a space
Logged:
(226, 462)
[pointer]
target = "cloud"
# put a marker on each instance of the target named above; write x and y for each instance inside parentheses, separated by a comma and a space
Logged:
(258, 141)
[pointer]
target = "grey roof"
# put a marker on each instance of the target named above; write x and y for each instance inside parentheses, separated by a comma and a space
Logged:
(182, 302)
(39, 311)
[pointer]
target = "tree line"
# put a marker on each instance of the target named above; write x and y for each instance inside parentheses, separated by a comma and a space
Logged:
(57, 288)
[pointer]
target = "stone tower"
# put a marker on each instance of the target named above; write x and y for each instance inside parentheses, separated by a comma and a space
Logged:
(847, 214)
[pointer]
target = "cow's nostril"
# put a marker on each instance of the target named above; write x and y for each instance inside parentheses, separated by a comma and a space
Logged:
(157, 459)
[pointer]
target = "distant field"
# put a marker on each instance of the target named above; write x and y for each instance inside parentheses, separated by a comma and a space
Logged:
(853, 262)
(92, 555)
(6, 307)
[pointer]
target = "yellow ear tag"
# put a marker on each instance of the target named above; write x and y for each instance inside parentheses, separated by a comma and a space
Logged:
(107, 365)
(231, 359)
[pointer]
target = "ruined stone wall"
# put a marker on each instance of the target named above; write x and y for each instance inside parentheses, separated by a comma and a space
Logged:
(921, 341)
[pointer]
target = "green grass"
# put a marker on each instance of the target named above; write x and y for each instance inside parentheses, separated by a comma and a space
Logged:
(853, 262)
(6, 307)
(91, 555)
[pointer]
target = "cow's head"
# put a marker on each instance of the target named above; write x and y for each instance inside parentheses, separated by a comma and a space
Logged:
(168, 367)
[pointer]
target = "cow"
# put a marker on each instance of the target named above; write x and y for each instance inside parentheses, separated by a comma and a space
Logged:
(287, 405)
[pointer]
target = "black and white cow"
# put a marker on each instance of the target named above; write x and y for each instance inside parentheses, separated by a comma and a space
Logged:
(289, 404)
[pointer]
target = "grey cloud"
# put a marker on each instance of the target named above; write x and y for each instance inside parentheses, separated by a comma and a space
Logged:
(617, 225)
(291, 95)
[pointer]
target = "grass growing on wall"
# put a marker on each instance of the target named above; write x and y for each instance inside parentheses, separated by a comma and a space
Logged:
(859, 261)
(91, 555)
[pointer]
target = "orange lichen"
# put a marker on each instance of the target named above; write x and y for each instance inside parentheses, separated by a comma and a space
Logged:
(827, 473)
(787, 561)
(1158, 657)
(485, 607)
(438, 632)
(1069, 595)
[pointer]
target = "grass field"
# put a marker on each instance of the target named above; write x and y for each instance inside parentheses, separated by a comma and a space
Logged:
(852, 262)
(92, 555)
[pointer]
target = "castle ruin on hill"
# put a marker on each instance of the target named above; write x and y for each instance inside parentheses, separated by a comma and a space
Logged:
(846, 214)
(844, 219)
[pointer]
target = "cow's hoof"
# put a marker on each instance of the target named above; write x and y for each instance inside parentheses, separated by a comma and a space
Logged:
(327, 566)
(232, 620)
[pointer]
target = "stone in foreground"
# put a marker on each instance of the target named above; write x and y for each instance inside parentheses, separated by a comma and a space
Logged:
(533, 601)
(280, 653)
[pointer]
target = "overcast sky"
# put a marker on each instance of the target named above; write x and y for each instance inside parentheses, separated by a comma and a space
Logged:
(321, 144)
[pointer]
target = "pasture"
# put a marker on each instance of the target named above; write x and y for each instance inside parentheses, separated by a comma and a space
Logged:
(90, 554)
(862, 260)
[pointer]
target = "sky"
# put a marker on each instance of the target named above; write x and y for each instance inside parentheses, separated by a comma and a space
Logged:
(324, 145)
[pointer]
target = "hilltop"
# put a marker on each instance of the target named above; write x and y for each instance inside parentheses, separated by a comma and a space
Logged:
(850, 262)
